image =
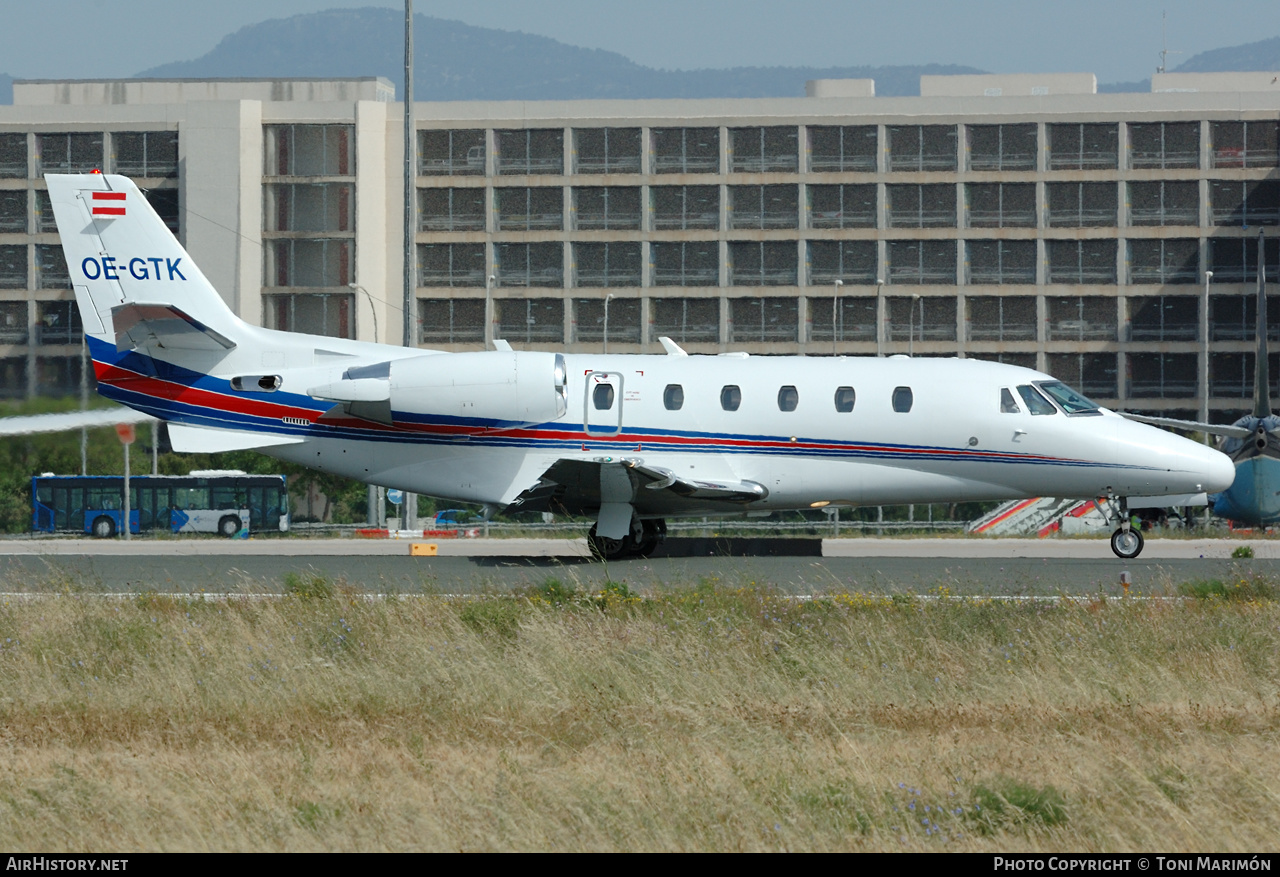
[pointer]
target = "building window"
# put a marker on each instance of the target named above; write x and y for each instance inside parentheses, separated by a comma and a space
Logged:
(1164, 203)
(606, 265)
(624, 320)
(685, 207)
(1164, 145)
(1234, 318)
(1235, 260)
(1080, 147)
(309, 150)
(1164, 318)
(1244, 202)
(58, 375)
(921, 318)
(58, 322)
(451, 265)
(1080, 205)
(13, 377)
(847, 261)
(308, 207)
(13, 266)
(673, 397)
(1000, 318)
(531, 319)
(1002, 147)
(530, 265)
(763, 263)
(46, 222)
(1000, 262)
(1000, 205)
(146, 153)
(764, 150)
(763, 319)
(846, 206)
(929, 206)
(685, 150)
(451, 210)
(531, 151)
(606, 208)
(1081, 318)
(788, 398)
(1162, 375)
(685, 263)
(165, 203)
(764, 207)
(1087, 261)
(69, 153)
(1232, 374)
(686, 319)
(922, 147)
(1093, 374)
(13, 322)
(451, 153)
(903, 399)
(521, 209)
(13, 156)
(451, 321)
(1244, 144)
(606, 150)
(1021, 360)
(922, 262)
(855, 318)
(51, 267)
(843, 149)
(1168, 260)
(731, 398)
(13, 210)
(322, 262)
(311, 314)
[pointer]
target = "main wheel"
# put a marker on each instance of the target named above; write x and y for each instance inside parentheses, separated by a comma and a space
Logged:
(229, 526)
(1126, 544)
(103, 527)
(608, 549)
(653, 535)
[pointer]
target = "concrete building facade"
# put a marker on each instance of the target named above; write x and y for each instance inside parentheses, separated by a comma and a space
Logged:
(1022, 218)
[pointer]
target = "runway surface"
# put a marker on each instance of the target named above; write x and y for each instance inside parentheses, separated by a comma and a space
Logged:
(1029, 567)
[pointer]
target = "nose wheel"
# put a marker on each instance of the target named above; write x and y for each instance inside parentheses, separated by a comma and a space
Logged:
(1126, 543)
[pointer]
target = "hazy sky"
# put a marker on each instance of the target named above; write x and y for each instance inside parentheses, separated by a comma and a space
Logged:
(1119, 40)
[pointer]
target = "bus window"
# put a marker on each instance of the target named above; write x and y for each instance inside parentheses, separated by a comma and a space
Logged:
(1008, 405)
(191, 498)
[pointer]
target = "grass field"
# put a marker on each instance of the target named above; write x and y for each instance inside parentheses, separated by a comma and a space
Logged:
(718, 717)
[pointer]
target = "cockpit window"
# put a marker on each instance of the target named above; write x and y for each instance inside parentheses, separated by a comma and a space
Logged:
(1008, 405)
(1070, 401)
(1036, 403)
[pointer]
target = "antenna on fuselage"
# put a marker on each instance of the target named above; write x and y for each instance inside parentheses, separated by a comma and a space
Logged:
(1262, 373)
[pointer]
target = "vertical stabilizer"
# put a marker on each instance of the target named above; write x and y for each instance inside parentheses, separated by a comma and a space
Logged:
(1262, 373)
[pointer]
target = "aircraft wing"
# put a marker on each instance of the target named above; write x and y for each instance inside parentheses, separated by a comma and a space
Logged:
(40, 423)
(579, 487)
(1211, 428)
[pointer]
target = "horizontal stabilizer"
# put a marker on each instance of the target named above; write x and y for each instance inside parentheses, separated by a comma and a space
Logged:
(205, 440)
(140, 325)
(1211, 428)
(39, 423)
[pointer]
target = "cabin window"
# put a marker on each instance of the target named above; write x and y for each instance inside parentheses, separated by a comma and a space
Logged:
(844, 399)
(1008, 405)
(602, 397)
(1036, 403)
(730, 398)
(673, 397)
(902, 399)
(788, 398)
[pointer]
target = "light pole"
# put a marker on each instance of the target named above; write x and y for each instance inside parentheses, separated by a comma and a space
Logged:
(608, 298)
(373, 308)
(835, 302)
(1204, 358)
(488, 310)
(911, 324)
(879, 317)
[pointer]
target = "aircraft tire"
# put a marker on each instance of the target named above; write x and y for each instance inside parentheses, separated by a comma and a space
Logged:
(229, 526)
(103, 528)
(1127, 544)
(609, 549)
(655, 533)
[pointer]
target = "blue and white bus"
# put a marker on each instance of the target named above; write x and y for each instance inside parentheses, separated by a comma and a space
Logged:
(225, 502)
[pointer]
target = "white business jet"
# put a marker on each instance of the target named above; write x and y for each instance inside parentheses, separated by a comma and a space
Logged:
(630, 440)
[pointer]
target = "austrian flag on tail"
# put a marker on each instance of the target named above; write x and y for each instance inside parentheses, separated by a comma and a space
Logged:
(108, 204)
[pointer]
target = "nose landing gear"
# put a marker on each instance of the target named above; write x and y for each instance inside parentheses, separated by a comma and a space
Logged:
(1126, 542)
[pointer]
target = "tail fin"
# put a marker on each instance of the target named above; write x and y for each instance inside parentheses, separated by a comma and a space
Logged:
(1262, 372)
(135, 285)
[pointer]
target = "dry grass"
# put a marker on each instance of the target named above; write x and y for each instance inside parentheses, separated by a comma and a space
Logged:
(710, 719)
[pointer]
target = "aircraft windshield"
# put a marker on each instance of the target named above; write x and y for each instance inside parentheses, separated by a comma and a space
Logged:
(1070, 401)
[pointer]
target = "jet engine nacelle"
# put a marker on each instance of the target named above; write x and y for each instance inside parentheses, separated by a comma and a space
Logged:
(492, 389)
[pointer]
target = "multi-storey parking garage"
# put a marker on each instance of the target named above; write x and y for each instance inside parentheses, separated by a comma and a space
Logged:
(1022, 218)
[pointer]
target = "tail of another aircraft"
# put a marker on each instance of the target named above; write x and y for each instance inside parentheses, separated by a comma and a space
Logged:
(1262, 372)
(135, 285)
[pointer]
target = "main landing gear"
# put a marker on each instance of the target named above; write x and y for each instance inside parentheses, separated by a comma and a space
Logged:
(1126, 542)
(643, 538)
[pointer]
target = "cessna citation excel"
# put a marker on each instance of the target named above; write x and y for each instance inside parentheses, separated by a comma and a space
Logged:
(629, 440)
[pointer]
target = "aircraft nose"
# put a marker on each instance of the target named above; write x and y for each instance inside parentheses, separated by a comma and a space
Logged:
(1218, 470)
